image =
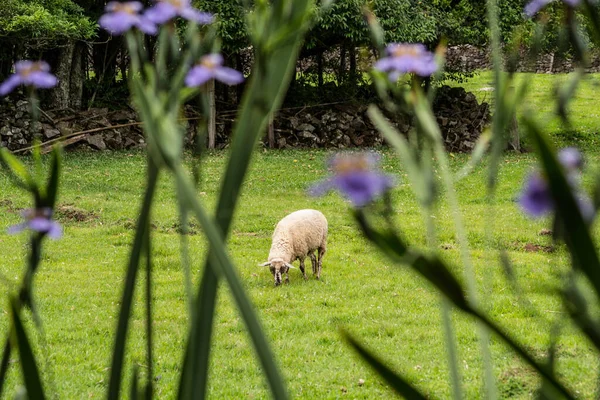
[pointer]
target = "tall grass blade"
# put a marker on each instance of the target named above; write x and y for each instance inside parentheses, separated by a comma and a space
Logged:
(577, 235)
(219, 260)
(577, 307)
(149, 352)
(19, 174)
(31, 374)
(262, 97)
(399, 384)
(53, 179)
(116, 370)
(405, 153)
(4, 364)
(437, 273)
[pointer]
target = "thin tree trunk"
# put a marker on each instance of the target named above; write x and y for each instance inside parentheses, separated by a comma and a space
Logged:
(342, 71)
(352, 55)
(320, 68)
(212, 117)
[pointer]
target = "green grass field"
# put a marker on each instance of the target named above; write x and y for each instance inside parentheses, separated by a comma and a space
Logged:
(388, 307)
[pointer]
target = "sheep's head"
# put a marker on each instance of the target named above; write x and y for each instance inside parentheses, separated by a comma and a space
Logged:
(278, 267)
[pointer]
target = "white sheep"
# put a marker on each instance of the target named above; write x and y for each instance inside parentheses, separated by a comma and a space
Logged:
(297, 236)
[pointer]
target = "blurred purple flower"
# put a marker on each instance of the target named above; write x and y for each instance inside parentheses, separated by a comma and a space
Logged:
(38, 220)
(356, 176)
(536, 199)
(211, 67)
(536, 5)
(121, 17)
(29, 73)
(403, 58)
(571, 159)
(165, 10)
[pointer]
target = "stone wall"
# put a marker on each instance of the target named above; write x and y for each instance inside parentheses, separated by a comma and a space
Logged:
(468, 58)
(340, 126)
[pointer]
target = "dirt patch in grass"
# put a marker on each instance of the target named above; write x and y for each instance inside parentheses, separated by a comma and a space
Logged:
(70, 213)
(537, 248)
(515, 382)
(8, 205)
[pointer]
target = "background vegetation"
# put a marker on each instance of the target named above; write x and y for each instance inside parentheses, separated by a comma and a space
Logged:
(91, 64)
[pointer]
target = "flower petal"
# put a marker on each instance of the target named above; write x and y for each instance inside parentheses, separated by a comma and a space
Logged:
(42, 80)
(10, 84)
(228, 75)
(118, 23)
(161, 12)
(191, 14)
(55, 230)
(40, 224)
(16, 228)
(198, 76)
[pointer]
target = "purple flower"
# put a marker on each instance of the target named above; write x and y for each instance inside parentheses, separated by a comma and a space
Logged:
(121, 17)
(355, 176)
(211, 67)
(165, 10)
(536, 5)
(536, 198)
(403, 58)
(38, 220)
(571, 159)
(29, 73)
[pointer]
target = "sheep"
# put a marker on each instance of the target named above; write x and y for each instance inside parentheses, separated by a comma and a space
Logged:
(297, 236)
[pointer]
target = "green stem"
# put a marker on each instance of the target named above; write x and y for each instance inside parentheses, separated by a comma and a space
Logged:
(446, 309)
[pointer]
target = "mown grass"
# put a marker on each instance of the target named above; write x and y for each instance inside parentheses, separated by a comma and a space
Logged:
(388, 307)
(582, 128)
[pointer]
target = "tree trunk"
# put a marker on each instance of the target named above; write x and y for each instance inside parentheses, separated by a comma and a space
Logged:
(342, 71)
(68, 66)
(352, 56)
(60, 95)
(320, 68)
(77, 76)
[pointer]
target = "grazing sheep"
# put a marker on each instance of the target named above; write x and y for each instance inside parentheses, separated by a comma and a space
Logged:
(297, 236)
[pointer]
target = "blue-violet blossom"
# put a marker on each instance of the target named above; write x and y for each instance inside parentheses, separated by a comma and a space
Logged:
(536, 5)
(210, 67)
(121, 17)
(536, 198)
(165, 10)
(403, 58)
(29, 73)
(357, 177)
(38, 220)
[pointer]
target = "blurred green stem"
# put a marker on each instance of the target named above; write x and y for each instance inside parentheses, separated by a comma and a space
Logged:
(446, 309)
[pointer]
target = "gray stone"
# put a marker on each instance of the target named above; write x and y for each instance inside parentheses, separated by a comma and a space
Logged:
(5, 131)
(306, 127)
(96, 142)
(50, 133)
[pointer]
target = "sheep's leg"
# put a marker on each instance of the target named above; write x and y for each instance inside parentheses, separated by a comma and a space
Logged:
(287, 276)
(302, 268)
(313, 262)
(320, 263)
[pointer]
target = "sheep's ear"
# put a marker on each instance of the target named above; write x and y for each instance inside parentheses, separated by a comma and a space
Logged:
(290, 266)
(268, 263)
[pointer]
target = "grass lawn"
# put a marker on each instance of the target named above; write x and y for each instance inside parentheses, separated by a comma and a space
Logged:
(584, 113)
(388, 307)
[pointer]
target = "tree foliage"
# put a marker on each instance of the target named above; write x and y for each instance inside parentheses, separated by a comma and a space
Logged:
(42, 23)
